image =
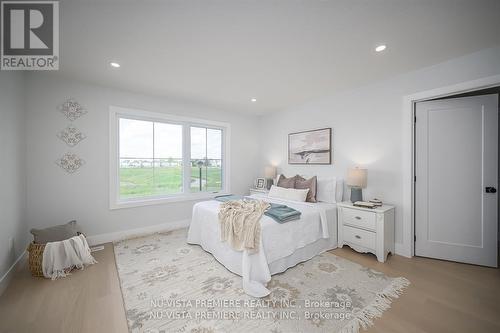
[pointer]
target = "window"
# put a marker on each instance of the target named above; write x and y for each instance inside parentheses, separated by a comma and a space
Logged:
(158, 158)
(206, 159)
(150, 158)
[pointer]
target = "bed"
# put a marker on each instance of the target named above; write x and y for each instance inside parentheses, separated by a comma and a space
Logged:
(282, 245)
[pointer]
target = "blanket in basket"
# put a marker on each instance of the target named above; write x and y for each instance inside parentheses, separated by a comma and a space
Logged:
(60, 257)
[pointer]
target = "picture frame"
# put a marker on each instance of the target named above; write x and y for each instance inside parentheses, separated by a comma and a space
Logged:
(260, 183)
(310, 147)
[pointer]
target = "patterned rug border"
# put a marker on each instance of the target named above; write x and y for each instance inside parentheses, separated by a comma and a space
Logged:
(376, 309)
(120, 282)
(363, 319)
(144, 235)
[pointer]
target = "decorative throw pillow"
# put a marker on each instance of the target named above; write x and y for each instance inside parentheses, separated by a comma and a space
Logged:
(288, 193)
(56, 233)
(311, 184)
(286, 182)
(326, 190)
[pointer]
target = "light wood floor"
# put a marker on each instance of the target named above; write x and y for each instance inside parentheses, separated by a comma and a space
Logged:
(87, 301)
(443, 297)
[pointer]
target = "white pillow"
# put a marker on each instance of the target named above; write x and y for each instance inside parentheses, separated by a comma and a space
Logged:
(339, 190)
(288, 193)
(328, 191)
(277, 178)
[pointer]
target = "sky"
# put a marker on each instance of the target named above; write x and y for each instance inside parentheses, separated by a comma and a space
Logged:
(136, 140)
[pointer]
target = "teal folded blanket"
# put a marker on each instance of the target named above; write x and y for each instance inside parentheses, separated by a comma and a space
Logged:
(282, 213)
(228, 197)
(279, 213)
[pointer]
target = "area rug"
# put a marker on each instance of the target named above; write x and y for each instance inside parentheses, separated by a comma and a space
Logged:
(170, 286)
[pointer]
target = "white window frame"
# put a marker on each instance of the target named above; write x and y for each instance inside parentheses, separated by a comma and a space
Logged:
(117, 112)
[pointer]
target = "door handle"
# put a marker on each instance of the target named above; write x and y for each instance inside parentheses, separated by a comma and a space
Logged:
(490, 189)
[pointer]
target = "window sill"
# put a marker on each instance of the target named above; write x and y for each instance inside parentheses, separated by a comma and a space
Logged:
(164, 200)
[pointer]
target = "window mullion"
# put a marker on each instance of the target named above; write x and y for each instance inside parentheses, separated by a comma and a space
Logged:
(223, 161)
(154, 176)
(186, 158)
(206, 160)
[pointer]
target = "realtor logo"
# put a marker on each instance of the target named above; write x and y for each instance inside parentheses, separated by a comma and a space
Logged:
(30, 35)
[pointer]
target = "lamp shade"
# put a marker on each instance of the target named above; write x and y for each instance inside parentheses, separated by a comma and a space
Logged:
(270, 172)
(357, 177)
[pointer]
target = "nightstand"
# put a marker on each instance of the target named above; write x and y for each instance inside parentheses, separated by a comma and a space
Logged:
(258, 191)
(366, 230)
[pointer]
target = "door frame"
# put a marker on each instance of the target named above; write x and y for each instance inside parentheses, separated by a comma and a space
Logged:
(407, 248)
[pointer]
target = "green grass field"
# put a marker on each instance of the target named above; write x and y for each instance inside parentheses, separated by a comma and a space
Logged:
(139, 182)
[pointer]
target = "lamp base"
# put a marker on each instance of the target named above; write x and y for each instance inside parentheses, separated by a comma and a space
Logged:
(356, 194)
(269, 183)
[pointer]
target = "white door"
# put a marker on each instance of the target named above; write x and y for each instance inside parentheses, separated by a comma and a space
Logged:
(456, 169)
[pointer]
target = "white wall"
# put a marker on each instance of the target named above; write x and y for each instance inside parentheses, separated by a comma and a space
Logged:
(12, 170)
(367, 125)
(55, 197)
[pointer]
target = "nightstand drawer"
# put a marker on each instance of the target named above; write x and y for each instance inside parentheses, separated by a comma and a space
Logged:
(359, 218)
(359, 237)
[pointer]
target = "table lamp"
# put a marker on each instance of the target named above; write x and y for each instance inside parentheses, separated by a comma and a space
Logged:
(356, 179)
(270, 174)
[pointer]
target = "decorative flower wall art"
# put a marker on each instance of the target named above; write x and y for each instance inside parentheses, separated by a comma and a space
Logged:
(70, 162)
(71, 136)
(72, 109)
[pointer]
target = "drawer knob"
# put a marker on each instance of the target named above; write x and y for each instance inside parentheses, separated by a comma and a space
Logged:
(358, 236)
(358, 218)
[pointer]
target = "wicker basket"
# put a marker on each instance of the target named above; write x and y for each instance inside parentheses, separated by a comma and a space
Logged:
(35, 258)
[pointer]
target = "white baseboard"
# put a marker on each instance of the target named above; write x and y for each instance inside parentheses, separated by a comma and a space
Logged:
(402, 250)
(7, 277)
(121, 235)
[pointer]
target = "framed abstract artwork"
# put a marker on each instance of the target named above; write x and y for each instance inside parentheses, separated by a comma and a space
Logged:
(310, 147)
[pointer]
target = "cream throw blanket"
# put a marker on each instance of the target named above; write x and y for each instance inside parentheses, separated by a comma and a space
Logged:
(240, 223)
(60, 257)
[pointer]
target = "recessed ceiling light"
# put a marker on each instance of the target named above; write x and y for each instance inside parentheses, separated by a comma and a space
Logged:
(253, 100)
(380, 48)
(115, 64)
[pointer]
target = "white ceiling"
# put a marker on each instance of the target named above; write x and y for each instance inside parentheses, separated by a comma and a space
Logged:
(222, 53)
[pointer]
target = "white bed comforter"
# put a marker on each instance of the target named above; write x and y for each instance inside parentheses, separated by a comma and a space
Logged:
(277, 240)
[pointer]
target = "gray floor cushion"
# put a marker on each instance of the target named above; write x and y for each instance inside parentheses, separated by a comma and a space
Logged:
(56, 233)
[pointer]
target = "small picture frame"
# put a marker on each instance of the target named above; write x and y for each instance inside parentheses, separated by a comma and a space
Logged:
(260, 183)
